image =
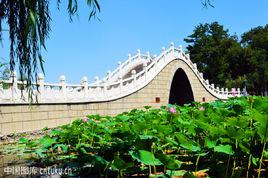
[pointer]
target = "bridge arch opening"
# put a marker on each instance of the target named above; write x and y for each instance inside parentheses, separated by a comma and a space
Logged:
(180, 91)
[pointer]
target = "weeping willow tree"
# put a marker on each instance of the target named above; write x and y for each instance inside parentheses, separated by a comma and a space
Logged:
(207, 3)
(29, 27)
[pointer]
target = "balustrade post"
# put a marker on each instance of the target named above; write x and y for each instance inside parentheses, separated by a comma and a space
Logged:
(194, 66)
(63, 86)
(172, 50)
(40, 84)
(119, 69)
(14, 88)
(14, 79)
(120, 84)
(201, 75)
(226, 91)
(233, 92)
(180, 51)
(155, 62)
(129, 58)
(148, 55)
(164, 53)
(108, 76)
(187, 56)
(85, 86)
(207, 82)
(133, 73)
(213, 86)
(222, 91)
(96, 80)
(145, 68)
(105, 89)
(238, 92)
(119, 63)
(244, 91)
(180, 48)
(139, 54)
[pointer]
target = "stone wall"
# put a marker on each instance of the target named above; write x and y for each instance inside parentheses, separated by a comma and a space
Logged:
(20, 118)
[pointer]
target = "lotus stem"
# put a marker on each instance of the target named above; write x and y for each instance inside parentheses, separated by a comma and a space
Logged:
(263, 149)
(229, 158)
(152, 151)
(154, 169)
(249, 164)
(52, 154)
(118, 174)
(234, 163)
(196, 163)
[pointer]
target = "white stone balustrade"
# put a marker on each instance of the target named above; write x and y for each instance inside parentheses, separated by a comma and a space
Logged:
(113, 86)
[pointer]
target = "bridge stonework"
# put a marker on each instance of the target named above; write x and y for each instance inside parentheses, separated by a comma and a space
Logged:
(22, 117)
(113, 95)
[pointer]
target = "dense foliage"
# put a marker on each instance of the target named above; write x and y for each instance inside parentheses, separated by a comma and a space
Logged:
(228, 61)
(223, 139)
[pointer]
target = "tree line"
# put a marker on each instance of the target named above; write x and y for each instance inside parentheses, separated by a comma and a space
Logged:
(231, 60)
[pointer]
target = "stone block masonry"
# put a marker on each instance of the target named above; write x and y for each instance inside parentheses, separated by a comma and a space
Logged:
(16, 118)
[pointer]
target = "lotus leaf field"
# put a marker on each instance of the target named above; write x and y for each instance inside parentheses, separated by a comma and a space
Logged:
(217, 139)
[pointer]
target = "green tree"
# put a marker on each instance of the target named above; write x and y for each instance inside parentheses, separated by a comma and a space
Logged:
(213, 49)
(238, 66)
(255, 43)
(228, 62)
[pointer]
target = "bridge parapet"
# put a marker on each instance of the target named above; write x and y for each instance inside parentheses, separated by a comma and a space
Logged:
(111, 87)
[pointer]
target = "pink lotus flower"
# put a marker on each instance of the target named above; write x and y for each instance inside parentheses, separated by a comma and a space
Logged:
(201, 108)
(85, 120)
(172, 110)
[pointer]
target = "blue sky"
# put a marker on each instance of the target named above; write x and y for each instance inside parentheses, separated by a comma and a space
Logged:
(90, 48)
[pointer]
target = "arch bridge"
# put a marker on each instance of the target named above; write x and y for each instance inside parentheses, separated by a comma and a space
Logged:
(141, 80)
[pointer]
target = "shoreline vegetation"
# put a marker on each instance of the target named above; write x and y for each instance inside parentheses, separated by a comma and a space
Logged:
(217, 139)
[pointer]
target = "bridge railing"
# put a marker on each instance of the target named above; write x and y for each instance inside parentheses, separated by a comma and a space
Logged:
(112, 86)
(128, 64)
(221, 93)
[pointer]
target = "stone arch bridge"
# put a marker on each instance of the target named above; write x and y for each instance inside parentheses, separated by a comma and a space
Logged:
(141, 80)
